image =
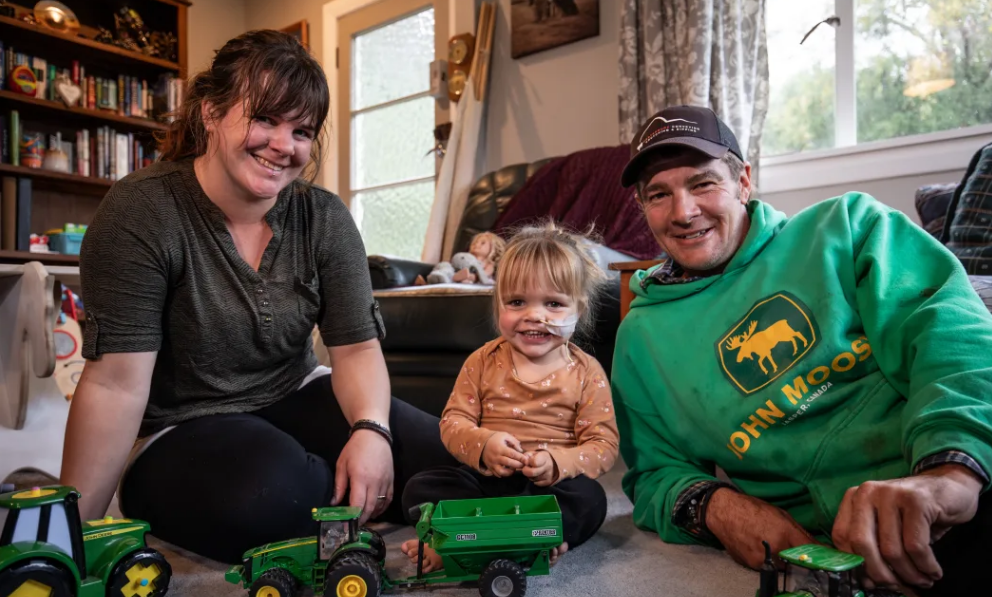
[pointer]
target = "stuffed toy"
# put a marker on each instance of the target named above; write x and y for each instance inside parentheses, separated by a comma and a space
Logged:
(477, 266)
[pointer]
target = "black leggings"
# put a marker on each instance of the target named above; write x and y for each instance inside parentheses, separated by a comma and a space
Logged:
(582, 500)
(222, 484)
(963, 554)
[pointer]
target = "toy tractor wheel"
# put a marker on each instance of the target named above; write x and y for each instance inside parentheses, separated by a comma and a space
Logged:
(36, 578)
(274, 582)
(503, 578)
(378, 544)
(142, 573)
(354, 574)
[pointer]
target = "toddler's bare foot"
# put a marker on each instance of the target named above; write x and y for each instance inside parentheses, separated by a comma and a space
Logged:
(432, 561)
(555, 553)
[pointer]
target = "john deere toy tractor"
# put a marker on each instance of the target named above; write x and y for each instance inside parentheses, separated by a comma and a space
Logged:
(498, 542)
(46, 551)
(815, 571)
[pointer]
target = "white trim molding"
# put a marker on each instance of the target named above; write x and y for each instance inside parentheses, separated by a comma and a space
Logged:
(943, 151)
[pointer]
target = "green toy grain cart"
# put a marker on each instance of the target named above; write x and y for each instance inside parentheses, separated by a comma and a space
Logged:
(46, 551)
(497, 542)
(815, 571)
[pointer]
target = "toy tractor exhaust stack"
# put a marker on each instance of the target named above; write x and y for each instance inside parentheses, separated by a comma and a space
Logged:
(769, 575)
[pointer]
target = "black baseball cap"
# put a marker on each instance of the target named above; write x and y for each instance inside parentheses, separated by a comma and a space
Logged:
(686, 126)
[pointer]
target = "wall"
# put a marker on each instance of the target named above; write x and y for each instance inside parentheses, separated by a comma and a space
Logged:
(895, 192)
(211, 24)
(276, 14)
(553, 102)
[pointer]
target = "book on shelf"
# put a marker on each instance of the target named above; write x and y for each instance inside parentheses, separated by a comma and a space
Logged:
(123, 95)
(101, 152)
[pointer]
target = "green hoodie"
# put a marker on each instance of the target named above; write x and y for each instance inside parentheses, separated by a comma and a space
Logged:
(841, 345)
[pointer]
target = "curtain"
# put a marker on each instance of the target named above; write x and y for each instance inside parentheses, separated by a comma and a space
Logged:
(695, 52)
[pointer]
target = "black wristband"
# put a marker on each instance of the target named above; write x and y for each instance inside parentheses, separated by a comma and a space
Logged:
(372, 426)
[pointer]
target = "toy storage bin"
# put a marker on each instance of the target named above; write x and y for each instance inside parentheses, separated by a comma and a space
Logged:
(67, 243)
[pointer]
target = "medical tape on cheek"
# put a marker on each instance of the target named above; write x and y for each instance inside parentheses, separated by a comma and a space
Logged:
(564, 328)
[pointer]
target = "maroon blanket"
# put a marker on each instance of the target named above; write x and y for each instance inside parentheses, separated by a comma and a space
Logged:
(582, 189)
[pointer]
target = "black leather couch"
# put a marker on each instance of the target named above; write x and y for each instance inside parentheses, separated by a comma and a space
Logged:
(428, 337)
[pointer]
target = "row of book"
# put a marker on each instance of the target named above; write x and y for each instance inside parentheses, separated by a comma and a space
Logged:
(123, 95)
(102, 152)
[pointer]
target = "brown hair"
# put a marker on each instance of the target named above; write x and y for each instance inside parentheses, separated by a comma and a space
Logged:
(564, 259)
(271, 73)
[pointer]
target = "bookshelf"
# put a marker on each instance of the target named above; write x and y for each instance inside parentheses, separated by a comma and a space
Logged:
(126, 95)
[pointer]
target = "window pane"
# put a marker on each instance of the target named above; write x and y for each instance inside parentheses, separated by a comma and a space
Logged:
(393, 221)
(922, 66)
(393, 61)
(801, 77)
(391, 144)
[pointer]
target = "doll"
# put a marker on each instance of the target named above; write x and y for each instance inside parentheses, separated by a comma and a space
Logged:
(478, 265)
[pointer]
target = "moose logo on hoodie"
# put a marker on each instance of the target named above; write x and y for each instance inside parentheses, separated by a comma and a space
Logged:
(773, 336)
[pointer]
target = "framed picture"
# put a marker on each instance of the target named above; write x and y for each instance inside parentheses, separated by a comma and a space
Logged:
(300, 31)
(538, 25)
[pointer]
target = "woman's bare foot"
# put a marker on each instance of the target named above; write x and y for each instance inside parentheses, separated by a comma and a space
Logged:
(432, 561)
(557, 553)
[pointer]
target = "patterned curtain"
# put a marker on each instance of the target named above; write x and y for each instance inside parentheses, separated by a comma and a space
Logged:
(695, 52)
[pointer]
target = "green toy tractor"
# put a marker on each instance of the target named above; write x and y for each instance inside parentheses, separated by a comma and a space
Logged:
(498, 542)
(46, 551)
(815, 571)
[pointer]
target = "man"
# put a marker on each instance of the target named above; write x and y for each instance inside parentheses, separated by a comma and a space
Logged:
(834, 364)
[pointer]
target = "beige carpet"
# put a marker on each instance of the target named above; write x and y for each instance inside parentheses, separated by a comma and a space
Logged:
(620, 560)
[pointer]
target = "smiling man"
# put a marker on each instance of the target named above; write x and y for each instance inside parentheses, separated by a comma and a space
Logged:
(835, 365)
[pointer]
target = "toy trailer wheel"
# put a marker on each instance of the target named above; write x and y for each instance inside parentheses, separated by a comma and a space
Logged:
(36, 578)
(378, 545)
(503, 578)
(142, 573)
(354, 574)
(274, 582)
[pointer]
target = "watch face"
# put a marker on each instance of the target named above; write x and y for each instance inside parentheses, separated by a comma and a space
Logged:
(458, 51)
(457, 82)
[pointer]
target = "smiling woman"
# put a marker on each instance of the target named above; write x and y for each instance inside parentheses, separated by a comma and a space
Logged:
(204, 277)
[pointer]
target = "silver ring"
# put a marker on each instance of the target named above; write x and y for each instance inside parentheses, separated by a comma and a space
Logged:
(380, 497)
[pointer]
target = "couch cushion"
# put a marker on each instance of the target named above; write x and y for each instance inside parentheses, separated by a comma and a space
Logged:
(932, 202)
(968, 227)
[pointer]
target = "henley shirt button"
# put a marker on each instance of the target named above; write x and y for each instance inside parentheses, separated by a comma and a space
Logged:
(265, 303)
(259, 291)
(268, 319)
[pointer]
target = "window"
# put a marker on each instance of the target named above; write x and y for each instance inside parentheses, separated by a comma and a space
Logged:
(892, 68)
(388, 178)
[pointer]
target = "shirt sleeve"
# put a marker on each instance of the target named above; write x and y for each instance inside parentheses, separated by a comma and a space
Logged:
(124, 265)
(595, 431)
(350, 314)
(460, 431)
(929, 332)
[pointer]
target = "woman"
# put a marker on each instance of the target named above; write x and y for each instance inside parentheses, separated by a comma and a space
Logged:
(204, 276)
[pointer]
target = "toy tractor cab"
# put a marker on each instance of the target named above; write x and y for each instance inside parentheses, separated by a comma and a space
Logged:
(46, 550)
(812, 571)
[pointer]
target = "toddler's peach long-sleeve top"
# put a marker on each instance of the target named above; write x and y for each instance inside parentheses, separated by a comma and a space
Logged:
(569, 413)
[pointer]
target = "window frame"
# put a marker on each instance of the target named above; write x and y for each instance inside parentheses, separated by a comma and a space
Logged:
(851, 162)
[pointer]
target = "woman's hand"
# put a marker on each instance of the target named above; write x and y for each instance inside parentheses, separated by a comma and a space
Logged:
(366, 467)
(503, 454)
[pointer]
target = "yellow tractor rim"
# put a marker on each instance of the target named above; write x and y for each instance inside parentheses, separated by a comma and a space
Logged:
(352, 586)
(141, 580)
(32, 588)
(268, 591)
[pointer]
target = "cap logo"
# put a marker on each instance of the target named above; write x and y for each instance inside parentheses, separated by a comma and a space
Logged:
(667, 126)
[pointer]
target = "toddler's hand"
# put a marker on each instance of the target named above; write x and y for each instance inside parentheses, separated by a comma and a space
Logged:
(503, 454)
(542, 469)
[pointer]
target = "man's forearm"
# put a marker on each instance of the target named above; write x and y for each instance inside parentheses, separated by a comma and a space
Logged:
(361, 383)
(97, 446)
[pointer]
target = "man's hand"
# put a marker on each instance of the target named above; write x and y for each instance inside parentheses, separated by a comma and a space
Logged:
(892, 524)
(366, 466)
(503, 454)
(541, 469)
(742, 522)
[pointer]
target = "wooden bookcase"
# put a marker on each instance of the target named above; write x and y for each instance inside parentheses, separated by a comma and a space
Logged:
(57, 198)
